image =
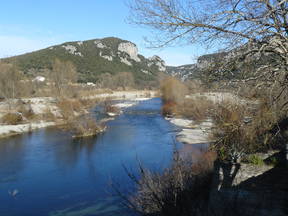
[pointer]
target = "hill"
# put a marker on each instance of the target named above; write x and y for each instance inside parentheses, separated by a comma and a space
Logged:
(195, 71)
(92, 58)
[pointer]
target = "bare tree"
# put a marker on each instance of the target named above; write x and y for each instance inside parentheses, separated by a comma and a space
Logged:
(124, 80)
(253, 29)
(9, 80)
(62, 74)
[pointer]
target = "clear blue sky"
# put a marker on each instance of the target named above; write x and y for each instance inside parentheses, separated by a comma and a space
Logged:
(27, 25)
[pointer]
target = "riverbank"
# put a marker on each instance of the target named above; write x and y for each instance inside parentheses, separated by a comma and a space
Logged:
(199, 131)
(47, 111)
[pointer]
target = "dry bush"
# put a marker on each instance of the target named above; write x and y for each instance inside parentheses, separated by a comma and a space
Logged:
(10, 78)
(183, 189)
(12, 118)
(48, 115)
(172, 90)
(169, 108)
(109, 108)
(26, 110)
(194, 86)
(84, 127)
(87, 103)
(69, 108)
(125, 80)
(237, 134)
(62, 74)
(197, 108)
(228, 112)
(121, 80)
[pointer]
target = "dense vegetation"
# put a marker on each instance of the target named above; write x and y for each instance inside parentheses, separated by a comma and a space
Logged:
(88, 59)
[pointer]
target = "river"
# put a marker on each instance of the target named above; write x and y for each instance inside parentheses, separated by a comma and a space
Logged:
(48, 173)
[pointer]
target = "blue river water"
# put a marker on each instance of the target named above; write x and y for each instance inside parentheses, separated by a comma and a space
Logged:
(48, 173)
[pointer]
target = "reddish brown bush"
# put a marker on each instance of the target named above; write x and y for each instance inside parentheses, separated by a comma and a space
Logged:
(169, 108)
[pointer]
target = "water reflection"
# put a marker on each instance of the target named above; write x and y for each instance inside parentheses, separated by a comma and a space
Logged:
(57, 175)
(193, 152)
(12, 157)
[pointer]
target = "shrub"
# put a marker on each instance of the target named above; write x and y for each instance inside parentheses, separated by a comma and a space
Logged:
(84, 128)
(10, 78)
(237, 134)
(172, 90)
(12, 118)
(182, 189)
(196, 109)
(169, 108)
(69, 108)
(109, 108)
(25, 109)
(255, 160)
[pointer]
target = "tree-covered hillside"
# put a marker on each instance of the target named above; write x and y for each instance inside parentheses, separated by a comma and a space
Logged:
(93, 58)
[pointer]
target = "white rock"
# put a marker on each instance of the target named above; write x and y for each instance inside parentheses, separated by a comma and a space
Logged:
(72, 50)
(39, 79)
(90, 84)
(156, 60)
(125, 61)
(130, 49)
(99, 44)
(181, 122)
(109, 58)
(145, 71)
(193, 136)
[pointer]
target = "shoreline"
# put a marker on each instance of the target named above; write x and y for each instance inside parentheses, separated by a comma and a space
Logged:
(40, 105)
(192, 132)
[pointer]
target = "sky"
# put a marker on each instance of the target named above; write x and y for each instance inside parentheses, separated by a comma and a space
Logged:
(29, 25)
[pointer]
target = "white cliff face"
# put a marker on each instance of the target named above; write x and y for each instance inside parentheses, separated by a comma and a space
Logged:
(72, 50)
(99, 44)
(130, 49)
(156, 60)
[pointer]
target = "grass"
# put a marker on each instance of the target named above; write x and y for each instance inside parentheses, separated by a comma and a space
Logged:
(255, 160)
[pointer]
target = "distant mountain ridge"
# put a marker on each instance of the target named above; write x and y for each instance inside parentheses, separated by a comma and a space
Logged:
(93, 58)
(193, 71)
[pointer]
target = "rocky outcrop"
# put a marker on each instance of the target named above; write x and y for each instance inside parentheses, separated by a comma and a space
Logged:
(157, 61)
(130, 49)
(72, 50)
